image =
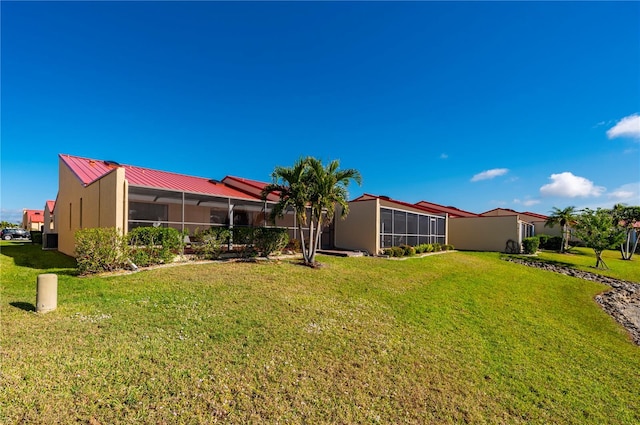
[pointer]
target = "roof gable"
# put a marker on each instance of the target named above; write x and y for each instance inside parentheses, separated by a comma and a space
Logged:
(368, 197)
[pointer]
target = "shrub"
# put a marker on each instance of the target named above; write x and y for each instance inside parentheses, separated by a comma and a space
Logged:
(397, 251)
(99, 250)
(448, 247)
(553, 243)
(388, 251)
(530, 245)
(211, 242)
(269, 240)
(243, 235)
(544, 240)
(419, 248)
(154, 245)
(294, 245)
(36, 237)
(436, 247)
(408, 251)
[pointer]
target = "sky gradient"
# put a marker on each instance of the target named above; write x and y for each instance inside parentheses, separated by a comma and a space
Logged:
(476, 105)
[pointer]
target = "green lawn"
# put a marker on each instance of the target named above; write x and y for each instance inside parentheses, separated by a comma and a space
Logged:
(585, 259)
(452, 338)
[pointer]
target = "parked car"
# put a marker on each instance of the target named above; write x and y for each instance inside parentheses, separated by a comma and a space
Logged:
(8, 234)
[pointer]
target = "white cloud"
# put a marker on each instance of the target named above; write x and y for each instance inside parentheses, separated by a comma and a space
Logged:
(625, 194)
(626, 127)
(567, 185)
(527, 202)
(490, 174)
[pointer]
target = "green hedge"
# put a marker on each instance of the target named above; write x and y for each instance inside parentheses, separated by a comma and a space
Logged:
(99, 250)
(269, 240)
(530, 245)
(154, 245)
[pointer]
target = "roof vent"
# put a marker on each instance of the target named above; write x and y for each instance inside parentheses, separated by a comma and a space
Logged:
(384, 197)
(214, 181)
(111, 164)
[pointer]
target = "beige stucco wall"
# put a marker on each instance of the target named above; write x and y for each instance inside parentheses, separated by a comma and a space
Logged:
(489, 233)
(359, 230)
(49, 221)
(103, 203)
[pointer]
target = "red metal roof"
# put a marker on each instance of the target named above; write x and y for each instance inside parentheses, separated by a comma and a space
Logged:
(253, 187)
(35, 216)
(452, 211)
(89, 170)
(51, 205)
(367, 197)
(532, 214)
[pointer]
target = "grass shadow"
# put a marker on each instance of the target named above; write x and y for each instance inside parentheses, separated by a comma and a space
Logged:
(23, 306)
(32, 256)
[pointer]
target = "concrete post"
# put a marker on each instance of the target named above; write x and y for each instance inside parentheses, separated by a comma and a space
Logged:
(47, 293)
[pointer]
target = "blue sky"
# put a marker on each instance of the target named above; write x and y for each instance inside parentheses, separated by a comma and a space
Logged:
(477, 105)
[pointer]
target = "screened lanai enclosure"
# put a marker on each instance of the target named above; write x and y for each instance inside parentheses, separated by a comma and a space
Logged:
(400, 227)
(193, 212)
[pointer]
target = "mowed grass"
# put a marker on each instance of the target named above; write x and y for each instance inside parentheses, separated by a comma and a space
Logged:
(585, 259)
(451, 338)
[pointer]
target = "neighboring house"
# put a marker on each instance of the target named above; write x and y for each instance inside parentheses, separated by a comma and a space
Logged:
(378, 222)
(95, 193)
(32, 219)
(49, 233)
(49, 218)
(500, 229)
(489, 233)
(538, 220)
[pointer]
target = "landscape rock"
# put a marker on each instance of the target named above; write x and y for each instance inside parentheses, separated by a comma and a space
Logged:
(622, 302)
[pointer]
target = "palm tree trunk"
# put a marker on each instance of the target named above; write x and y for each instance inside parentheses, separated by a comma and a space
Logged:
(308, 259)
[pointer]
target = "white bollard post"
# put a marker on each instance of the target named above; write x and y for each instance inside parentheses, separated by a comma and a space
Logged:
(47, 293)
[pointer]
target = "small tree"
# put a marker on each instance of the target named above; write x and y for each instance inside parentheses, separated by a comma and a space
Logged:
(563, 217)
(627, 218)
(312, 190)
(598, 231)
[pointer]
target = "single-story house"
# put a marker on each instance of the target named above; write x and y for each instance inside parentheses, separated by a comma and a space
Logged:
(32, 219)
(496, 230)
(96, 193)
(49, 233)
(538, 220)
(378, 222)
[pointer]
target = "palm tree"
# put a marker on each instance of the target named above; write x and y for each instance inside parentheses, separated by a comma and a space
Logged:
(312, 190)
(563, 217)
(290, 184)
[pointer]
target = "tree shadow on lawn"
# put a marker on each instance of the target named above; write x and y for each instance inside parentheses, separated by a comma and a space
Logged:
(32, 256)
(23, 306)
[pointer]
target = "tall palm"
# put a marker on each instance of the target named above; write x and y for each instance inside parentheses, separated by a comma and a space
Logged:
(309, 187)
(564, 217)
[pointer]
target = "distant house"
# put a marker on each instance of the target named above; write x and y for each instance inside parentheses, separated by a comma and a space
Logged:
(538, 220)
(49, 222)
(378, 222)
(96, 193)
(32, 219)
(49, 233)
(499, 229)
